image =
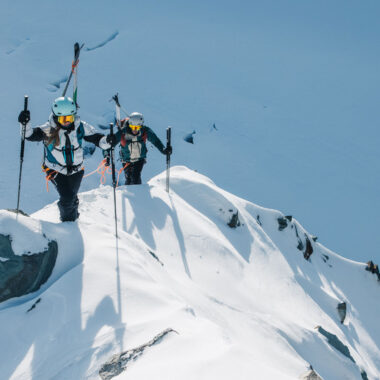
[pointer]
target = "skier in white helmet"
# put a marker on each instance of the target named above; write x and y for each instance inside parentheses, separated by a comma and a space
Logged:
(62, 136)
(132, 136)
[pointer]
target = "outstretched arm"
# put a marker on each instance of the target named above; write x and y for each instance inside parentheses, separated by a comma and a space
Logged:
(93, 137)
(37, 134)
(152, 137)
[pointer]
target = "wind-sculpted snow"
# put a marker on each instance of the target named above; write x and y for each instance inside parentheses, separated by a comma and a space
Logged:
(103, 43)
(245, 301)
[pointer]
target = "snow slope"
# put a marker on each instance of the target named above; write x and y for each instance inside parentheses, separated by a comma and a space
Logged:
(291, 86)
(244, 302)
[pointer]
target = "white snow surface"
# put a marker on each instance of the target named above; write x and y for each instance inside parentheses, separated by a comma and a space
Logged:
(25, 233)
(244, 301)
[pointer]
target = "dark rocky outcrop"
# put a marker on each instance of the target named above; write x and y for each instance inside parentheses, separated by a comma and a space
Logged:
(34, 305)
(24, 274)
(334, 341)
(118, 363)
(325, 258)
(258, 220)
(283, 222)
(342, 311)
(300, 245)
(364, 374)
(311, 375)
(234, 221)
(189, 138)
(373, 268)
(155, 257)
(309, 248)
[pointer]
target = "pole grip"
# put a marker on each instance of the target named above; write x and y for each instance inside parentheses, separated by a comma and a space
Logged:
(26, 97)
(168, 136)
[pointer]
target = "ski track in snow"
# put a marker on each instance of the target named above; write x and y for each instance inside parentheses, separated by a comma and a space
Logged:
(17, 45)
(57, 84)
(101, 44)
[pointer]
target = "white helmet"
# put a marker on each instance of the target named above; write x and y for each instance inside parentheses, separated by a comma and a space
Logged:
(136, 118)
(64, 106)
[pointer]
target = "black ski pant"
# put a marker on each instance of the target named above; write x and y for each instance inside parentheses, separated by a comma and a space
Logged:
(133, 172)
(68, 187)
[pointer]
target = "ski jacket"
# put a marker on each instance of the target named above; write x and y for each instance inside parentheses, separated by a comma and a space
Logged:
(133, 147)
(67, 156)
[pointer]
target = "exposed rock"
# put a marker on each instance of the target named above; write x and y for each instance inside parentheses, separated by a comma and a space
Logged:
(334, 341)
(311, 375)
(309, 248)
(118, 363)
(373, 268)
(24, 274)
(282, 223)
(314, 238)
(34, 305)
(156, 257)
(342, 311)
(300, 244)
(364, 374)
(189, 138)
(234, 221)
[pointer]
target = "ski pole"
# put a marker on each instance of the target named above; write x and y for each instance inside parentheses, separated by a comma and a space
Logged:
(22, 153)
(113, 179)
(168, 144)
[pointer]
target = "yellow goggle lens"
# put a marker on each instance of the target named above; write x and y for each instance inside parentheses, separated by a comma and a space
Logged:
(135, 127)
(66, 119)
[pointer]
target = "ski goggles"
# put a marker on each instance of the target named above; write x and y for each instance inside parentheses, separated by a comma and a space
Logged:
(66, 119)
(135, 127)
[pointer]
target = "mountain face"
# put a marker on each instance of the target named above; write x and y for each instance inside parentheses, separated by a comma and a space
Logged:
(201, 284)
(282, 97)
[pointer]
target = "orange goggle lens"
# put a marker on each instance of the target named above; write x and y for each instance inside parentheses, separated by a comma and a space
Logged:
(135, 127)
(65, 119)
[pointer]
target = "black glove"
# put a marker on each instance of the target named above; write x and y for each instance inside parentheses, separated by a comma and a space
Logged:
(24, 117)
(107, 163)
(168, 150)
(111, 139)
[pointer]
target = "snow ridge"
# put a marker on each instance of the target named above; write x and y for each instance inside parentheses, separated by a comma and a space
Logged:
(247, 302)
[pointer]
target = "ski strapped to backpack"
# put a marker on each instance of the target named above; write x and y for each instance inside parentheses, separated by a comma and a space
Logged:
(115, 98)
(74, 70)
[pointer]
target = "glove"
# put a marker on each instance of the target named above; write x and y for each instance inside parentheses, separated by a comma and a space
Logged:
(107, 163)
(111, 139)
(24, 117)
(168, 150)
